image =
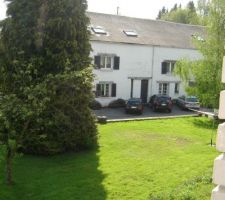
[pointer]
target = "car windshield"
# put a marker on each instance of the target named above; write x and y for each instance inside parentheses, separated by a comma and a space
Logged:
(164, 98)
(191, 99)
(134, 101)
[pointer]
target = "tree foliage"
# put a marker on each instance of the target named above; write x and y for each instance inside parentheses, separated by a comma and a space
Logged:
(188, 15)
(46, 77)
(207, 71)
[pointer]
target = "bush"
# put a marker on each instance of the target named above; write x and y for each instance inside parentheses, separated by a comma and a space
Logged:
(95, 105)
(118, 103)
(64, 122)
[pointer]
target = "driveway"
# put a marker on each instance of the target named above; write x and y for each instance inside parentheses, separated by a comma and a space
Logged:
(119, 113)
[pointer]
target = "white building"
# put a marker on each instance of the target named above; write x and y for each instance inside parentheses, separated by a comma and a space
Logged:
(135, 57)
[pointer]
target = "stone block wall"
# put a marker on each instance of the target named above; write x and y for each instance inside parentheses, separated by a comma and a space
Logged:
(219, 164)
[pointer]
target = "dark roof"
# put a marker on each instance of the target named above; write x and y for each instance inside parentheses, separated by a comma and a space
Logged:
(150, 32)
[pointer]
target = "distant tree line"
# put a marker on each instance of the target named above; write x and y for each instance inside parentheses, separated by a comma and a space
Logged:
(191, 14)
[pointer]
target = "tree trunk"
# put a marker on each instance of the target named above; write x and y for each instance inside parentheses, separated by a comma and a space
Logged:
(9, 166)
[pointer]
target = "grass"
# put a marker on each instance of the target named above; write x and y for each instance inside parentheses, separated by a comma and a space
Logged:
(161, 159)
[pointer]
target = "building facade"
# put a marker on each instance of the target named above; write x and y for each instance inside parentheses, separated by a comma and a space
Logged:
(136, 57)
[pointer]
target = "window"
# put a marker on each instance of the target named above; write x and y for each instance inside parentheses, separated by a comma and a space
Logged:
(198, 37)
(168, 67)
(164, 88)
(177, 87)
(106, 90)
(130, 33)
(99, 30)
(191, 84)
(107, 61)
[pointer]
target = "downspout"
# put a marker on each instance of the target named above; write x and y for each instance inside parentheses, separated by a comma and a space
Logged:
(153, 62)
(131, 90)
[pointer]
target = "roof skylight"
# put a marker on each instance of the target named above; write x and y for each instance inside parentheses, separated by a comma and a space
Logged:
(130, 33)
(99, 30)
(198, 37)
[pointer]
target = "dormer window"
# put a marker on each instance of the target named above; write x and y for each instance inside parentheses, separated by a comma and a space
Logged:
(130, 33)
(197, 37)
(99, 30)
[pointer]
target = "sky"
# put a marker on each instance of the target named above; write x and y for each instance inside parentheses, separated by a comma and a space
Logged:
(134, 8)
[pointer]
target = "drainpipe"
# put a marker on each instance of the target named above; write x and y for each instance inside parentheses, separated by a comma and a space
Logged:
(131, 90)
(153, 62)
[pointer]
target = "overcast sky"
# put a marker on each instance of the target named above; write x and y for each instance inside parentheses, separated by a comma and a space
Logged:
(135, 8)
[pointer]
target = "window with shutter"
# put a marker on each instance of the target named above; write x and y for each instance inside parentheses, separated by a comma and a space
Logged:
(107, 61)
(98, 90)
(97, 60)
(116, 63)
(113, 90)
(164, 68)
(105, 90)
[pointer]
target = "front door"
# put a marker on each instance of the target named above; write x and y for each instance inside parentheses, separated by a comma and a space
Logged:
(144, 90)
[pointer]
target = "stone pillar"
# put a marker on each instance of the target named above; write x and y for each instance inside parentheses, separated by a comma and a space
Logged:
(219, 164)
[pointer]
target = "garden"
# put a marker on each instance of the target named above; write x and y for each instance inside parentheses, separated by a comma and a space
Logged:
(155, 159)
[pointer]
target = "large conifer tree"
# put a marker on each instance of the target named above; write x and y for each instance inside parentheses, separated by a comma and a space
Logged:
(46, 78)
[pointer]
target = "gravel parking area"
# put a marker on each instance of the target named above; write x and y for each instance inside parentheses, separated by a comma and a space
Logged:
(119, 113)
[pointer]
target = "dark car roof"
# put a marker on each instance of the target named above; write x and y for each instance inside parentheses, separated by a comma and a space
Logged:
(194, 97)
(160, 95)
(134, 99)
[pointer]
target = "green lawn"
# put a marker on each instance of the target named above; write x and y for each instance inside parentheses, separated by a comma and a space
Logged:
(159, 159)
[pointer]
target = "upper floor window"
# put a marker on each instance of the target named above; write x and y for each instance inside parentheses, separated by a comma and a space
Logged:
(107, 61)
(168, 67)
(198, 37)
(191, 83)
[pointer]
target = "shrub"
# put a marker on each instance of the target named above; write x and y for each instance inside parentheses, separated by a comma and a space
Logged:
(118, 103)
(95, 105)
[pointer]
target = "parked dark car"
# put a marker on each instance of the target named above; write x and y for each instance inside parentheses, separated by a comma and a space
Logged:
(186, 102)
(134, 105)
(161, 102)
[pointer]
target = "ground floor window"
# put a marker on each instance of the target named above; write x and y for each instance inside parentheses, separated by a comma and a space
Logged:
(106, 90)
(164, 88)
(191, 84)
(177, 88)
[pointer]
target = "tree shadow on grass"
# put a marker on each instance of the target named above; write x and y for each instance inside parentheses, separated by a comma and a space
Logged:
(207, 124)
(73, 176)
